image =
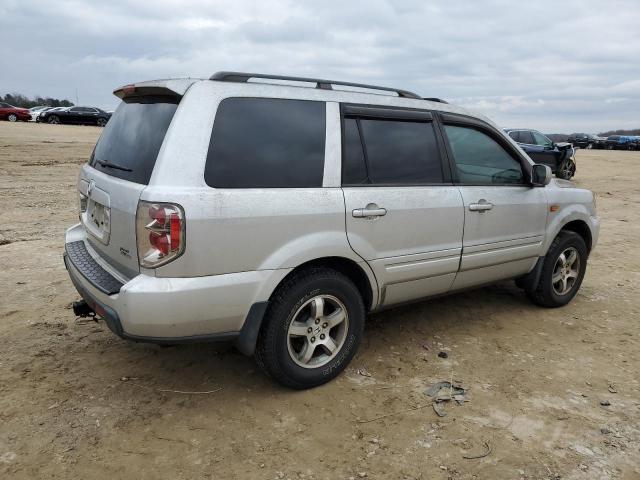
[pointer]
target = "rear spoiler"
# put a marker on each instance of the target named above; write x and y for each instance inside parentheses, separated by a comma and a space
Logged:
(172, 87)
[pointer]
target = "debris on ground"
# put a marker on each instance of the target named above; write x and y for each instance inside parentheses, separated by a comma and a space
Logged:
(486, 452)
(605, 431)
(605, 403)
(612, 388)
(443, 354)
(444, 391)
(363, 372)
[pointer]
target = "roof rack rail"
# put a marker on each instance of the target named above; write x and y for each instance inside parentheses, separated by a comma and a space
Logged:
(241, 77)
(434, 99)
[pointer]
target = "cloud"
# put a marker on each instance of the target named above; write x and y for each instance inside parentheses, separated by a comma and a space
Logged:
(555, 66)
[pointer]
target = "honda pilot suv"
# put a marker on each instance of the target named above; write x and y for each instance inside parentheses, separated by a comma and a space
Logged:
(276, 212)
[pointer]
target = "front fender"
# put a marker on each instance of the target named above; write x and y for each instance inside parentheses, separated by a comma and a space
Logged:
(570, 213)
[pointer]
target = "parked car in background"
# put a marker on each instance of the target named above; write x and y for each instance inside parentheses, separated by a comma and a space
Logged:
(586, 140)
(558, 156)
(35, 111)
(13, 114)
(360, 202)
(76, 115)
(622, 142)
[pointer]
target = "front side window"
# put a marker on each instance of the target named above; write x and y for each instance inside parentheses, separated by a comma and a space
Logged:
(396, 152)
(480, 160)
(267, 143)
(540, 139)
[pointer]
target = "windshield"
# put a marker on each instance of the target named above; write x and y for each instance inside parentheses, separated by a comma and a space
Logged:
(130, 142)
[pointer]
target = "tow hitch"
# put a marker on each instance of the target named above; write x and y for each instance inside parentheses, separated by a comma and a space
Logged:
(82, 309)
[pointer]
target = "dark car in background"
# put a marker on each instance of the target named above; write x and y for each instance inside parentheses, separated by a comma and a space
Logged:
(76, 115)
(13, 114)
(541, 149)
(622, 142)
(587, 140)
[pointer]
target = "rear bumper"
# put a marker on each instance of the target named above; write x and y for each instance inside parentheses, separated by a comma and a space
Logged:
(172, 310)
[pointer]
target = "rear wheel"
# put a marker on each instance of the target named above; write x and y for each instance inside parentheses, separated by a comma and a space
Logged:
(562, 271)
(312, 328)
(102, 122)
(12, 117)
(53, 119)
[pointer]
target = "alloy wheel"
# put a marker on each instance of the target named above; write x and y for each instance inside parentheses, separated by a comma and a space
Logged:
(317, 331)
(566, 271)
(12, 118)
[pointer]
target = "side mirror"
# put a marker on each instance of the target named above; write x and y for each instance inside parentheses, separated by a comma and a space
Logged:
(540, 175)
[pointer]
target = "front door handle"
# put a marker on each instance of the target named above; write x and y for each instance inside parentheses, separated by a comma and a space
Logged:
(481, 206)
(371, 210)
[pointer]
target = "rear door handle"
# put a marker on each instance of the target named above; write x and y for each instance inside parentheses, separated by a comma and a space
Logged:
(372, 210)
(481, 206)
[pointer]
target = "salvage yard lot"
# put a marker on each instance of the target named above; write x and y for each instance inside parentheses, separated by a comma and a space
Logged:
(78, 402)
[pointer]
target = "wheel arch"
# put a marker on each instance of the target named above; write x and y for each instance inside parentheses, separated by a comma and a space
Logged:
(364, 280)
(581, 228)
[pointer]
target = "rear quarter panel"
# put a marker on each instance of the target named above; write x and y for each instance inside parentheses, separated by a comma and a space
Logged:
(234, 230)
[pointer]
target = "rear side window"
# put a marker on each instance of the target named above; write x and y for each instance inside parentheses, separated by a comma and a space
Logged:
(480, 160)
(129, 144)
(267, 143)
(395, 153)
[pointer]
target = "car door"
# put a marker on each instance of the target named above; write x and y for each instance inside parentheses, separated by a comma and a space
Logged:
(403, 214)
(72, 115)
(543, 150)
(504, 217)
(90, 116)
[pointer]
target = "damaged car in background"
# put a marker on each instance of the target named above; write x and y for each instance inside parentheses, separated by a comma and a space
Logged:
(541, 149)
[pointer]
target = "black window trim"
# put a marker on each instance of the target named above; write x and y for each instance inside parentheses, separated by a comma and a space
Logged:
(382, 112)
(460, 120)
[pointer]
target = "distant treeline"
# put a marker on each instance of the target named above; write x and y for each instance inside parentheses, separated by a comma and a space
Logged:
(562, 137)
(19, 100)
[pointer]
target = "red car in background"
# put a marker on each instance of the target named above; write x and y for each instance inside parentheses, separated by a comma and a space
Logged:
(13, 114)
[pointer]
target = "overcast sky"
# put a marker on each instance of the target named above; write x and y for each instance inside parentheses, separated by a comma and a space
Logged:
(558, 66)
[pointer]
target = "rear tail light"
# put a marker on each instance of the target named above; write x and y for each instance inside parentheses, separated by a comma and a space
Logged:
(160, 230)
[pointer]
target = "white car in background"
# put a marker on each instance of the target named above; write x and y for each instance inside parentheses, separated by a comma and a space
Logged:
(35, 111)
(48, 109)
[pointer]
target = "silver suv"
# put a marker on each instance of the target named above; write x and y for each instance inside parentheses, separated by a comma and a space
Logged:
(278, 211)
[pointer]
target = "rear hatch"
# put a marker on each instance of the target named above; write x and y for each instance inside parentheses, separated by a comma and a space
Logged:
(118, 171)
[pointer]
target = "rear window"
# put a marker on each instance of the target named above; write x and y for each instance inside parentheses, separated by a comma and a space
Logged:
(129, 144)
(267, 143)
(395, 153)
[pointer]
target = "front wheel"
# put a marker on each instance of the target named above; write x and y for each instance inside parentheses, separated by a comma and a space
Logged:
(589, 146)
(102, 122)
(562, 271)
(53, 119)
(312, 329)
(567, 169)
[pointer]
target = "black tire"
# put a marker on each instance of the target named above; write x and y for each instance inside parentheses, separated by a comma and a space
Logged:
(566, 170)
(272, 350)
(12, 117)
(101, 122)
(544, 293)
(53, 119)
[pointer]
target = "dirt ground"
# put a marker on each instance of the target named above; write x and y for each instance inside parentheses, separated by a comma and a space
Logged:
(78, 402)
